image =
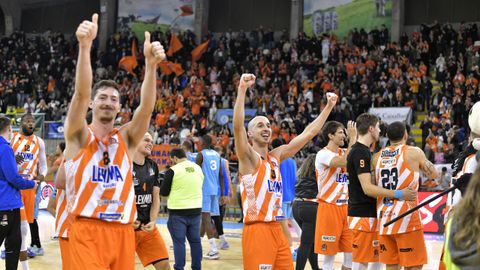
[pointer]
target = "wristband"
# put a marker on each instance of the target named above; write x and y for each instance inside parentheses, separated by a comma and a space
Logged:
(398, 194)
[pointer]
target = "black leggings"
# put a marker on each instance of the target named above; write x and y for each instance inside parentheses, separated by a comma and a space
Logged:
(10, 232)
(34, 234)
(305, 214)
(218, 220)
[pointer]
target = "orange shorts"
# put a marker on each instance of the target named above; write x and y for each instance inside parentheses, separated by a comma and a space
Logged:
(96, 244)
(265, 246)
(150, 247)
(407, 249)
(332, 234)
(365, 246)
(65, 253)
(28, 199)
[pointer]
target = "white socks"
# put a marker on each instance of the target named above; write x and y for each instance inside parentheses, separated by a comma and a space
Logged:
(222, 238)
(347, 259)
(25, 265)
(328, 261)
(359, 266)
(213, 245)
(375, 266)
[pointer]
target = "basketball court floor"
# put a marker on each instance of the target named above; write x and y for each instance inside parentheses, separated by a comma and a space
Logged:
(229, 259)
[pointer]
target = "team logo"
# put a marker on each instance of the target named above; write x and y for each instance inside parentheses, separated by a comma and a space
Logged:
(342, 178)
(383, 248)
(375, 243)
(151, 172)
(4, 221)
(46, 192)
(324, 247)
(265, 267)
(112, 141)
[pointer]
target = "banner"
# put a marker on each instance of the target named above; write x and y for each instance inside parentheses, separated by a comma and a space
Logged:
(225, 116)
(55, 130)
(161, 154)
(393, 114)
(153, 15)
(432, 213)
(341, 16)
(45, 193)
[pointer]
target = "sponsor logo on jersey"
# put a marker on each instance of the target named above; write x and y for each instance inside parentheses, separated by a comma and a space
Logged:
(342, 178)
(275, 186)
(388, 153)
(143, 199)
(329, 238)
(109, 175)
(389, 162)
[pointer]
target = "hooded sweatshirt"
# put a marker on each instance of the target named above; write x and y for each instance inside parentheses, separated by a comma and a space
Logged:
(465, 258)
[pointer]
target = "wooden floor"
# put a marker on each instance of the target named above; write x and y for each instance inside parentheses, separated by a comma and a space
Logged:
(229, 259)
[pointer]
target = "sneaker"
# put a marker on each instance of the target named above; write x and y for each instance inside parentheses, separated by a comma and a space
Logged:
(224, 245)
(38, 251)
(211, 255)
(3, 255)
(30, 253)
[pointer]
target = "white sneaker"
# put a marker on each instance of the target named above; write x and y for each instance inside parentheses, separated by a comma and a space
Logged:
(224, 245)
(212, 255)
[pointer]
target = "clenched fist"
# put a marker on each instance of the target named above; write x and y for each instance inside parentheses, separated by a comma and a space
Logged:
(331, 99)
(246, 81)
(153, 51)
(87, 31)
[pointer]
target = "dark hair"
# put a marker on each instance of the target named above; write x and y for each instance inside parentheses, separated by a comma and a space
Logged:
(62, 146)
(206, 141)
(26, 115)
(178, 153)
(395, 131)
(330, 128)
(104, 84)
(277, 142)
(5, 122)
(187, 145)
(365, 121)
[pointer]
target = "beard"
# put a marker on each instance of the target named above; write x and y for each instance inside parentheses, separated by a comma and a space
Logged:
(26, 131)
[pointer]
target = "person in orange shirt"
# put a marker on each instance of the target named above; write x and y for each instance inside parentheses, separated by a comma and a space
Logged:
(98, 162)
(264, 245)
(332, 235)
(398, 166)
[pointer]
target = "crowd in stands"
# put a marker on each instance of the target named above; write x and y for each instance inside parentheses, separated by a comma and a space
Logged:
(435, 70)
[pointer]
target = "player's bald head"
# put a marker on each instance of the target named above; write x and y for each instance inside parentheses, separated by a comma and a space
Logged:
(255, 120)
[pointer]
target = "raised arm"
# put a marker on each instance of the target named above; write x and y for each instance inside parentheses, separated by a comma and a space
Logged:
(243, 149)
(154, 54)
(75, 125)
(288, 150)
(341, 161)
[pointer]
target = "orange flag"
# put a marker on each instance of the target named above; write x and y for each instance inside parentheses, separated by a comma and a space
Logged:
(199, 50)
(168, 67)
(128, 63)
(175, 45)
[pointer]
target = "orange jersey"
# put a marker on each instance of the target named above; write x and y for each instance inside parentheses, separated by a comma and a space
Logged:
(392, 172)
(100, 189)
(332, 182)
(62, 221)
(30, 148)
(262, 192)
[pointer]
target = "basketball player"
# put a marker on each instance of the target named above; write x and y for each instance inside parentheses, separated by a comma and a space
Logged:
(30, 151)
(98, 161)
(398, 166)
(332, 234)
(211, 164)
(362, 210)
(149, 243)
(264, 244)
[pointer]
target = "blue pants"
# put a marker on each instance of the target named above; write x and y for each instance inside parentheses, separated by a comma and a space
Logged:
(189, 227)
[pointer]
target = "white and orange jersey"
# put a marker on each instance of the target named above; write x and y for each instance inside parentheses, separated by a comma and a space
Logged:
(32, 150)
(454, 197)
(99, 179)
(392, 172)
(332, 182)
(262, 192)
(62, 221)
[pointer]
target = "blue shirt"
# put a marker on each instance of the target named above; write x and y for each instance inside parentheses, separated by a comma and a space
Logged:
(288, 170)
(10, 181)
(192, 156)
(211, 170)
(225, 179)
